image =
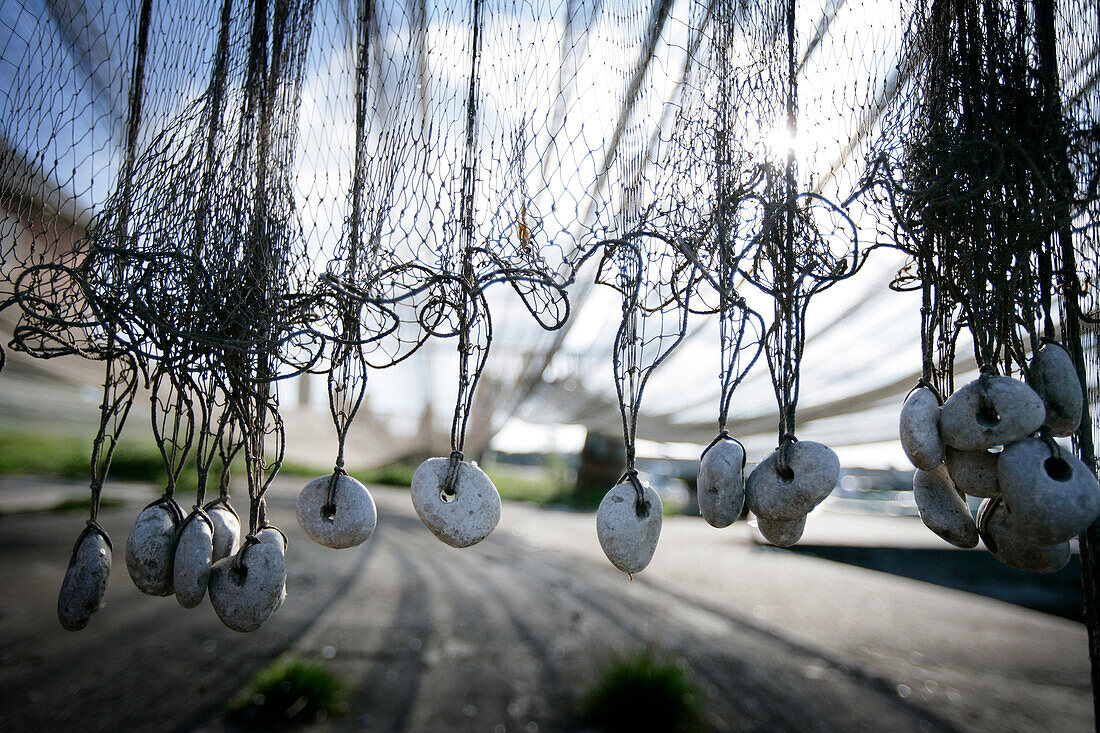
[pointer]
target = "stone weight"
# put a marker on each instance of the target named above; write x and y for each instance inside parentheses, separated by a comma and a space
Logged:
(349, 522)
(150, 549)
(463, 518)
(1052, 496)
(721, 483)
(85, 581)
(814, 470)
(919, 427)
(990, 411)
(942, 509)
(628, 533)
(1009, 547)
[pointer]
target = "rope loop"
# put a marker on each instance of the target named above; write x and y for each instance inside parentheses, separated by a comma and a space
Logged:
(451, 480)
(783, 458)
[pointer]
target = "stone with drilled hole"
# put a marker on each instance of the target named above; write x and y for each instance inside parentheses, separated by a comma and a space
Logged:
(1054, 378)
(942, 509)
(192, 561)
(1000, 411)
(814, 468)
(150, 548)
(85, 582)
(1052, 498)
(781, 532)
(227, 531)
(348, 523)
(628, 533)
(245, 594)
(1012, 549)
(464, 518)
(919, 426)
(721, 486)
(974, 472)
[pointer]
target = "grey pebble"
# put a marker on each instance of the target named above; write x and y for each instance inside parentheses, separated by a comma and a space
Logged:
(227, 531)
(629, 538)
(469, 515)
(85, 581)
(350, 524)
(1012, 549)
(999, 411)
(1053, 376)
(275, 538)
(1051, 499)
(942, 509)
(192, 561)
(721, 483)
(815, 470)
(919, 426)
(974, 472)
(245, 597)
(780, 532)
(150, 548)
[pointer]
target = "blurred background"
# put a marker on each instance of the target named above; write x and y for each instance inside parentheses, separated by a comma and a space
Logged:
(871, 622)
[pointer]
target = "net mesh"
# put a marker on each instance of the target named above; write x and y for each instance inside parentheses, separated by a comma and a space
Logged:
(212, 198)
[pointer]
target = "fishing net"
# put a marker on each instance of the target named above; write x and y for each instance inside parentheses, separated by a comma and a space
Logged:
(210, 200)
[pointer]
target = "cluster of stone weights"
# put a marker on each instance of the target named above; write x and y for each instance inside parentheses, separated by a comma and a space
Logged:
(994, 439)
(167, 553)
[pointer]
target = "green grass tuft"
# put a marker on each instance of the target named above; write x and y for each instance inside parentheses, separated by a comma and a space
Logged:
(641, 692)
(289, 691)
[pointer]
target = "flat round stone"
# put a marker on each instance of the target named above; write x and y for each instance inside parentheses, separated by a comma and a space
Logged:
(919, 427)
(244, 596)
(192, 561)
(460, 519)
(1000, 411)
(780, 532)
(227, 531)
(1012, 549)
(85, 582)
(974, 472)
(942, 509)
(348, 523)
(721, 484)
(1052, 498)
(1054, 378)
(815, 469)
(150, 549)
(628, 533)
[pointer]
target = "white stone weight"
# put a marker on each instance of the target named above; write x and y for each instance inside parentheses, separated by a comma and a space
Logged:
(192, 561)
(1052, 498)
(245, 596)
(275, 538)
(919, 427)
(942, 509)
(150, 549)
(460, 519)
(227, 531)
(85, 582)
(1012, 549)
(351, 520)
(628, 534)
(781, 533)
(1054, 378)
(974, 472)
(721, 483)
(815, 469)
(1000, 411)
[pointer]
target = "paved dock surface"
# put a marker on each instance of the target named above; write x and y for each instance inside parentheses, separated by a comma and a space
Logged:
(509, 634)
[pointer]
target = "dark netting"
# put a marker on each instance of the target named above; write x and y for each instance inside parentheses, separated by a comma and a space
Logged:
(208, 200)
